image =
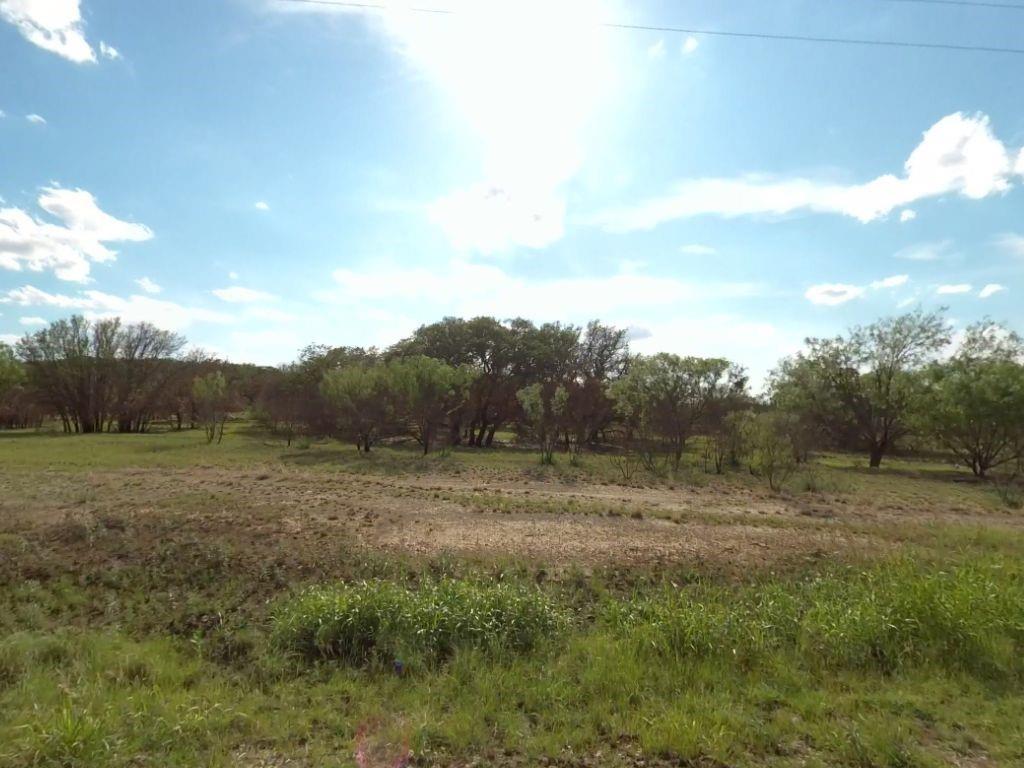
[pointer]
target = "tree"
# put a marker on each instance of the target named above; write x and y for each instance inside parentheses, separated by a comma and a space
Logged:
(974, 402)
(12, 373)
(360, 400)
(281, 403)
(544, 407)
(144, 368)
(864, 386)
(210, 393)
(15, 411)
(97, 375)
(769, 448)
(664, 397)
(425, 393)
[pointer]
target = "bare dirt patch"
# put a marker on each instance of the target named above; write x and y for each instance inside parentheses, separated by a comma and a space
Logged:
(297, 514)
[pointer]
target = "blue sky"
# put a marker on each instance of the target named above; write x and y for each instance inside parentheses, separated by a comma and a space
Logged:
(261, 174)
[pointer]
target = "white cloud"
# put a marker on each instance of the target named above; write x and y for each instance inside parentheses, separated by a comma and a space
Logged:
(10, 339)
(133, 309)
(833, 294)
(236, 294)
(696, 249)
(36, 119)
(893, 281)
(690, 44)
(261, 205)
(932, 251)
(70, 247)
(1011, 243)
(109, 52)
(990, 290)
(953, 289)
(657, 50)
(958, 155)
(32, 320)
(148, 285)
(907, 214)
(455, 289)
(53, 25)
(2, 114)
(232, 275)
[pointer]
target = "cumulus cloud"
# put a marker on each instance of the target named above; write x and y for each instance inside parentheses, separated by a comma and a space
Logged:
(696, 249)
(36, 119)
(953, 289)
(893, 281)
(907, 214)
(109, 52)
(261, 205)
(131, 309)
(990, 290)
(148, 285)
(53, 25)
(833, 294)
(958, 155)
(236, 294)
(32, 320)
(690, 44)
(70, 246)
(637, 333)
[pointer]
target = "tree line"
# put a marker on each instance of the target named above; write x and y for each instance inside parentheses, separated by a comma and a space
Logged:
(899, 383)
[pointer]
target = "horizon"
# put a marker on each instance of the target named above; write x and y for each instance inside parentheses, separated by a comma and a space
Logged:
(260, 175)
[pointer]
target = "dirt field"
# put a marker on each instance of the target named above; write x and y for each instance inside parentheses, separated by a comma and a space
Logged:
(296, 513)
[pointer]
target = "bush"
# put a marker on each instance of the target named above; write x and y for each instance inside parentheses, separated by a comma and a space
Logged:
(381, 622)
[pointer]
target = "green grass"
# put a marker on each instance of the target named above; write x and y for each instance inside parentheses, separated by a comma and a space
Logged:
(898, 666)
(383, 622)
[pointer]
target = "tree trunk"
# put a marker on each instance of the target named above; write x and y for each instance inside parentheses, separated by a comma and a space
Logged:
(490, 435)
(877, 451)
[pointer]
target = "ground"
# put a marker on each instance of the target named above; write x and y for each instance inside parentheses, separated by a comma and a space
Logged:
(140, 575)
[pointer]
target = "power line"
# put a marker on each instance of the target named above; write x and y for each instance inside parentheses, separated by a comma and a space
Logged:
(718, 32)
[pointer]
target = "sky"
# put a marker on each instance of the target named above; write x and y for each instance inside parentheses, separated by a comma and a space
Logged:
(263, 174)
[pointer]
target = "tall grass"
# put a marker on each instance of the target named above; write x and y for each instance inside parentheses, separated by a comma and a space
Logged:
(887, 618)
(384, 622)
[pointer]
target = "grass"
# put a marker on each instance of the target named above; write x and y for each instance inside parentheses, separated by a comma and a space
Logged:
(153, 628)
(385, 623)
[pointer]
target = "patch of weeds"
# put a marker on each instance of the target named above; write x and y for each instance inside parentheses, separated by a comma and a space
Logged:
(381, 622)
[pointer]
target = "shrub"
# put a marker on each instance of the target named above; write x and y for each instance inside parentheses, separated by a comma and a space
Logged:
(381, 622)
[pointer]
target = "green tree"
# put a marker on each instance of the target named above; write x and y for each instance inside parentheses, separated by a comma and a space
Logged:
(425, 393)
(974, 402)
(359, 398)
(863, 387)
(211, 397)
(769, 447)
(664, 397)
(544, 408)
(12, 373)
